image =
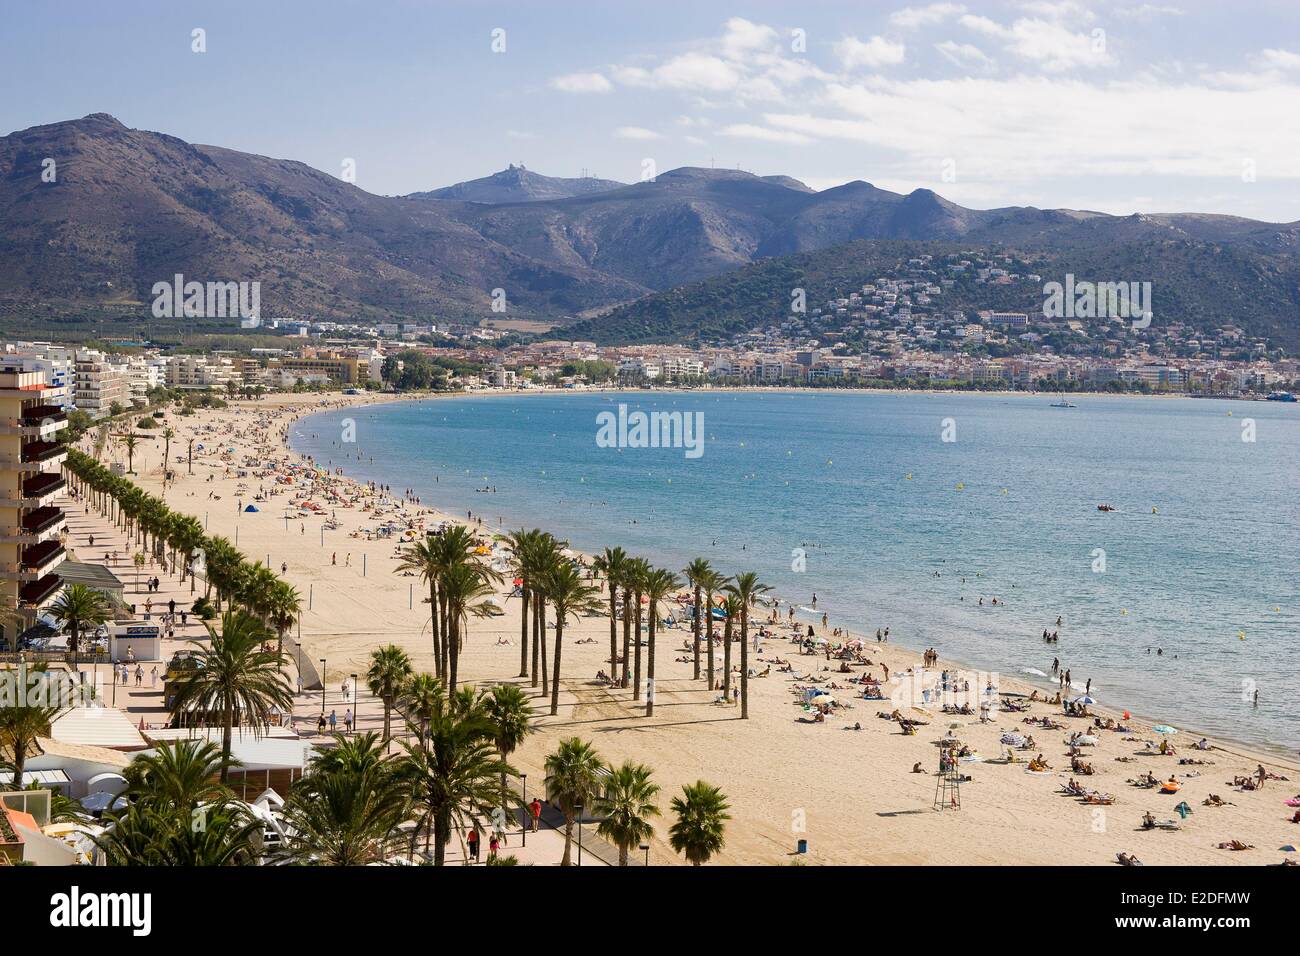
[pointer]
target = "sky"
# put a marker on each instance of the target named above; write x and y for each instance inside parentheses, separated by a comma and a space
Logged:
(1121, 107)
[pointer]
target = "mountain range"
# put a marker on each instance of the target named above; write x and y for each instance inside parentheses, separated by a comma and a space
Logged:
(129, 208)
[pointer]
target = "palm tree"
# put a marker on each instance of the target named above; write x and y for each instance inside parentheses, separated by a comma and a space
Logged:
(466, 588)
(418, 695)
(612, 564)
(284, 604)
(22, 722)
(572, 781)
(187, 536)
(236, 679)
(695, 573)
(544, 557)
(659, 583)
(732, 607)
(512, 721)
(627, 803)
(79, 608)
(389, 671)
(453, 774)
(347, 810)
(423, 558)
(522, 545)
(570, 594)
(699, 832)
(168, 434)
(176, 815)
(712, 583)
(638, 570)
(130, 441)
(746, 588)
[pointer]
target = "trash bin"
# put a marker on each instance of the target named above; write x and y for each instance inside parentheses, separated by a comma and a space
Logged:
(803, 846)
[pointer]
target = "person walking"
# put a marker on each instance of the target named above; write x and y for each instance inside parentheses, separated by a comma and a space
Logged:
(535, 808)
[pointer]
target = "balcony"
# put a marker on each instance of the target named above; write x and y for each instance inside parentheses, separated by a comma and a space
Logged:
(42, 519)
(36, 414)
(40, 592)
(44, 484)
(44, 555)
(37, 452)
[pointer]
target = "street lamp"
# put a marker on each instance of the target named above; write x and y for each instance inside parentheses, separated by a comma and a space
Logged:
(322, 687)
(579, 809)
(528, 813)
(646, 847)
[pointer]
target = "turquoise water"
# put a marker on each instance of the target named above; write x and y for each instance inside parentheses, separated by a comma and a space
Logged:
(828, 473)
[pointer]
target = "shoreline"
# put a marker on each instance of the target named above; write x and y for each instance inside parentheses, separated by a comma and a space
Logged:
(784, 773)
(1274, 754)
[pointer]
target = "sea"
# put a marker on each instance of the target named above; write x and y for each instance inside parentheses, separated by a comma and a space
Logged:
(915, 511)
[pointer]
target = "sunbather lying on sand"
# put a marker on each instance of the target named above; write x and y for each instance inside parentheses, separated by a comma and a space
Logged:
(1235, 845)
(1214, 800)
(1127, 859)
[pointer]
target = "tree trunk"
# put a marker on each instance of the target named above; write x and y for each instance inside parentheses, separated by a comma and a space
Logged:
(568, 840)
(536, 651)
(627, 635)
(523, 632)
(726, 658)
(227, 723)
(650, 669)
(453, 651)
(555, 681)
(622, 855)
(441, 837)
(445, 626)
(708, 618)
(744, 662)
(695, 628)
(613, 634)
(433, 625)
(636, 674)
(388, 713)
(542, 642)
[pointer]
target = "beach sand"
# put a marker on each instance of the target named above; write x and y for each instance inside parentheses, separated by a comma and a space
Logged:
(850, 793)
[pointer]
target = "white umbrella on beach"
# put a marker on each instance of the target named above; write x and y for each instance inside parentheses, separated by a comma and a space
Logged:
(1083, 699)
(1164, 729)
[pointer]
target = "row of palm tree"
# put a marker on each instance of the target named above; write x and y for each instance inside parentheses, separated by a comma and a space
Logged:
(360, 806)
(177, 540)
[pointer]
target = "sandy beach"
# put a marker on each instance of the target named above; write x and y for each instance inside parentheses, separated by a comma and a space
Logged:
(850, 793)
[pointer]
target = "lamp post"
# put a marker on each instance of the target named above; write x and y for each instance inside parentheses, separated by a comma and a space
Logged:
(322, 687)
(528, 813)
(356, 711)
(579, 809)
(646, 847)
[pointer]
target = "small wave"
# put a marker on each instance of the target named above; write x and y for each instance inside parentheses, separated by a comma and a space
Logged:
(1033, 670)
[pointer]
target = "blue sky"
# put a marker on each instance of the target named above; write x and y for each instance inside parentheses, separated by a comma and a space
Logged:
(1119, 106)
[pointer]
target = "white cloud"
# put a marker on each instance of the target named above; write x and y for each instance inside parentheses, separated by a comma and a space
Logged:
(636, 132)
(764, 134)
(1034, 127)
(689, 71)
(1281, 59)
(911, 18)
(965, 55)
(582, 83)
(741, 38)
(1146, 11)
(1050, 44)
(873, 53)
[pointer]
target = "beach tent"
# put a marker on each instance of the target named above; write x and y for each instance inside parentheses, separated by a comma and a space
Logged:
(1164, 729)
(250, 508)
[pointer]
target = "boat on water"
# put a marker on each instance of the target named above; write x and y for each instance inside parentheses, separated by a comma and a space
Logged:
(1280, 397)
(1064, 403)
(1105, 507)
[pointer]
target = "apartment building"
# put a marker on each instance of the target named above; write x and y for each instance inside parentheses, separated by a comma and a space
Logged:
(57, 365)
(337, 368)
(201, 372)
(30, 478)
(100, 384)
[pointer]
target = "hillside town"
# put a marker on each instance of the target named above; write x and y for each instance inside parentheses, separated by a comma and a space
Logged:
(902, 329)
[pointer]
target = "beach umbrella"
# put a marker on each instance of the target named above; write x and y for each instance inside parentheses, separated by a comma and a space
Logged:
(821, 698)
(1084, 699)
(1164, 729)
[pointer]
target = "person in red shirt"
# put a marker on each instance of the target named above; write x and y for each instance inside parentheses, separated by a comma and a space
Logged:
(471, 842)
(536, 808)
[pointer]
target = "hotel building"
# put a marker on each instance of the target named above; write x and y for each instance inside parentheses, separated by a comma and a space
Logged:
(30, 479)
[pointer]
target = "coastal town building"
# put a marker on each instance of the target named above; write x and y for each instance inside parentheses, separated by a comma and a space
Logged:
(30, 521)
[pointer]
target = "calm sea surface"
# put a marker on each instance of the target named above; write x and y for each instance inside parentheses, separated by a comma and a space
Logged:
(879, 502)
